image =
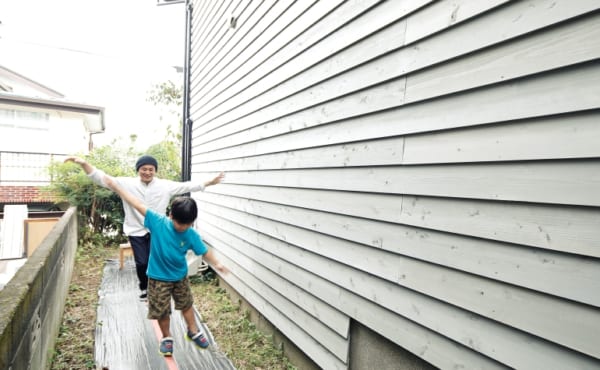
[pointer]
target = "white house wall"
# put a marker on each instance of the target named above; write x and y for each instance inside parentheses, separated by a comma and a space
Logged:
(429, 169)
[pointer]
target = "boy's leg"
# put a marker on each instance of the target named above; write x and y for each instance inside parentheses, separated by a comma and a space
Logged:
(164, 324)
(159, 304)
(141, 252)
(184, 301)
(190, 319)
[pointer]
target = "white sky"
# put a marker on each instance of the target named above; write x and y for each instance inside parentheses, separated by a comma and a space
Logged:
(100, 52)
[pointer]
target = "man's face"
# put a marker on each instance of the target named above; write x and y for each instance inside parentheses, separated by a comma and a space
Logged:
(147, 173)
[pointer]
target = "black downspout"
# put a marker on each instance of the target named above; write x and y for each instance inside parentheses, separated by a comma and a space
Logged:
(186, 141)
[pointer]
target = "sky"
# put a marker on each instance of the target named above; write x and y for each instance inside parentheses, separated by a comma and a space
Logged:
(106, 53)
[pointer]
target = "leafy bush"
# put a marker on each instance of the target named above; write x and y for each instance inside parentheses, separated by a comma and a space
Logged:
(100, 211)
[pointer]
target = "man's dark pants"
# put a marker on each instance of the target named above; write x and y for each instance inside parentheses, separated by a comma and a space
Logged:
(141, 253)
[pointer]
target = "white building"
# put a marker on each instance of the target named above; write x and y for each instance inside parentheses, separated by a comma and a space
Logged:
(38, 124)
(408, 181)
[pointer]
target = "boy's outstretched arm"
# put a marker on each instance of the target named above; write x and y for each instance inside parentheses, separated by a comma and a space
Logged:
(125, 195)
(212, 259)
(88, 168)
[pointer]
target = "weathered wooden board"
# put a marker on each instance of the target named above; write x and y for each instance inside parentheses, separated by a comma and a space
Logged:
(439, 351)
(237, 30)
(382, 152)
(564, 275)
(305, 31)
(287, 271)
(380, 97)
(485, 336)
(277, 284)
(505, 23)
(567, 44)
(391, 66)
(563, 137)
(206, 34)
(235, 68)
(544, 95)
(440, 15)
(428, 168)
(567, 182)
(321, 62)
(286, 304)
(563, 229)
(288, 327)
(203, 33)
(572, 325)
(305, 55)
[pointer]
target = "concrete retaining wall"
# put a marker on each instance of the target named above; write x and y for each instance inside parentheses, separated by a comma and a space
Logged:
(32, 303)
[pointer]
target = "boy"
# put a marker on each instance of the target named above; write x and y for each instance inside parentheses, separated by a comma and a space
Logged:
(171, 238)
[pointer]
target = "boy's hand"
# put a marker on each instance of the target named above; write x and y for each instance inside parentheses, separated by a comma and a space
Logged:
(222, 269)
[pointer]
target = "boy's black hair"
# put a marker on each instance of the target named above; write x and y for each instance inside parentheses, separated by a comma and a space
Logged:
(184, 210)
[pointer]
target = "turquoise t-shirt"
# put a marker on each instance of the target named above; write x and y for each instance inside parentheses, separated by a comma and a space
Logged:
(168, 248)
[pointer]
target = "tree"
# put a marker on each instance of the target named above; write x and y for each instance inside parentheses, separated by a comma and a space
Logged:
(169, 96)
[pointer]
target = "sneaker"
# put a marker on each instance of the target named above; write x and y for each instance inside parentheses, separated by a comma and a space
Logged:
(144, 295)
(199, 339)
(166, 346)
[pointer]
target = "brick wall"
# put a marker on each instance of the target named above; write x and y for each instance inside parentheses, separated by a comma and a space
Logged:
(25, 195)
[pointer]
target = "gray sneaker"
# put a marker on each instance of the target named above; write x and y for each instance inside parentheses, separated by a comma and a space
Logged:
(166, 346)
(199, 339)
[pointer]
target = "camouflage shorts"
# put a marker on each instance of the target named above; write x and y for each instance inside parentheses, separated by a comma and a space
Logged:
(160, 293)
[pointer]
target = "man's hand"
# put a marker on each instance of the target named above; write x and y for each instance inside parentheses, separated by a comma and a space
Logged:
(216, 180)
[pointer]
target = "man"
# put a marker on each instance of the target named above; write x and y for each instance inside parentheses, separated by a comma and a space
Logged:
(155, 193)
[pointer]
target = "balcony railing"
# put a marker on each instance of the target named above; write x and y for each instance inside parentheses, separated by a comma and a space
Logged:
(26, 168)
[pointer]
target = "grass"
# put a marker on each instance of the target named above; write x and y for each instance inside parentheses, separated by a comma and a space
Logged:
(235, 334)
(74, 347)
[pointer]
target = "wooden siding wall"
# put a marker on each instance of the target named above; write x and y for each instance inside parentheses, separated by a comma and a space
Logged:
(430, 169)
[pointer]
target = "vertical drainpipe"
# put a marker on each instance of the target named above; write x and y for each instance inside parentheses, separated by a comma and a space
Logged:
(186, 141)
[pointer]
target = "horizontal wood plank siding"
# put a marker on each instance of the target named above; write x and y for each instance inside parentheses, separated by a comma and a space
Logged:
(427, 168)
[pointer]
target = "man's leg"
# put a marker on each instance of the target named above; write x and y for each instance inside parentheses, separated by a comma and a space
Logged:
(141, 252)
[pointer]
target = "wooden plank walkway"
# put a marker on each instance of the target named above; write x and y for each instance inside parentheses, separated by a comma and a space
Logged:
(127, 340)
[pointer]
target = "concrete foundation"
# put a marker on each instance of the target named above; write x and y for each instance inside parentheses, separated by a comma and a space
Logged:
(368, 350)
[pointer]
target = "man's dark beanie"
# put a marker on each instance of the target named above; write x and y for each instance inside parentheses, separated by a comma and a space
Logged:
(146, 159)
